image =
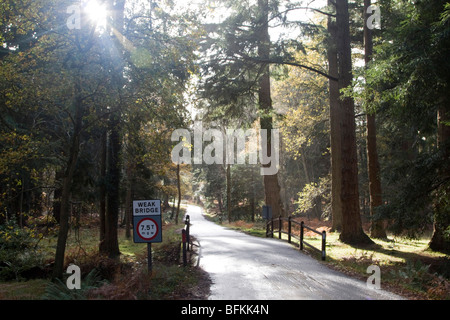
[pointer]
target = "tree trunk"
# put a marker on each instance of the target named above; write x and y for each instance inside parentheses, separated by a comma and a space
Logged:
(66, 186)
(335, 127)
(252, 207)
(352, 231)
(113, 190)
(377, 228)
(59, 176)
(114, 147)
(439, 240)
(129, 201)
(271, 186)
(179, 193)
(166, 204)
(229, 192)
(102, 191)
(219, 200)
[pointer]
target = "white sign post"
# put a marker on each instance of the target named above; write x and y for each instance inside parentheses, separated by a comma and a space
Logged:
(147, 224)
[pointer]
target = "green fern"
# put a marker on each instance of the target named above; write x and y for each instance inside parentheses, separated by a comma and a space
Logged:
(58, 290)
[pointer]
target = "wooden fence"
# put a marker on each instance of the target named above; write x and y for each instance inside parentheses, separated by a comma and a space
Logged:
(290, 222)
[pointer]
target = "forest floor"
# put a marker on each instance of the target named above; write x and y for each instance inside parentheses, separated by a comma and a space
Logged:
(106, 279)
(408, 267)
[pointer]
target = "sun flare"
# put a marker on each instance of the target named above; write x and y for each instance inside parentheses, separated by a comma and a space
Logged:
(96, 13)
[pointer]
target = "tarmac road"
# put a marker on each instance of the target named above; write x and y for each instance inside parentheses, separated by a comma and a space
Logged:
(244, 267)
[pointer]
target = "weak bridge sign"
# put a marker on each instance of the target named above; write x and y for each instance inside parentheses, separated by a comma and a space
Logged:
(147, 222)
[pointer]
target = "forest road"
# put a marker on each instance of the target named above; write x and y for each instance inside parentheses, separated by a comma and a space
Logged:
(244, 267)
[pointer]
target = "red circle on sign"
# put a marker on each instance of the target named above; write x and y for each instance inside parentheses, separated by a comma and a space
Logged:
(146, 225)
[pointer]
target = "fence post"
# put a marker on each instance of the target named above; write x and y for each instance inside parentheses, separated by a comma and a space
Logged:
(271, 225)
(324, 235)
(289, 229)
(183, 237)
(279, 227)
(188, 238)
(301, 235)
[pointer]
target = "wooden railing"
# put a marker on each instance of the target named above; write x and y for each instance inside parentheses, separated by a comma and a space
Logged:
(189, 244)
(270, 232)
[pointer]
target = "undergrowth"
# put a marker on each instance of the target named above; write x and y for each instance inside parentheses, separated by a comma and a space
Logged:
(101, 278)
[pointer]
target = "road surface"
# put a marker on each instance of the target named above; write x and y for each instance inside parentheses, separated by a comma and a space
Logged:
(244, 267)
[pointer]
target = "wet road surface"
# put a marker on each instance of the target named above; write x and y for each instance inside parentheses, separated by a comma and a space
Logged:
(244, 267)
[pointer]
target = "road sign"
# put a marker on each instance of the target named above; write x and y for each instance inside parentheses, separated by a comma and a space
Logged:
(147, 229)
(147, 221)
(267, 212)
(146, 207)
